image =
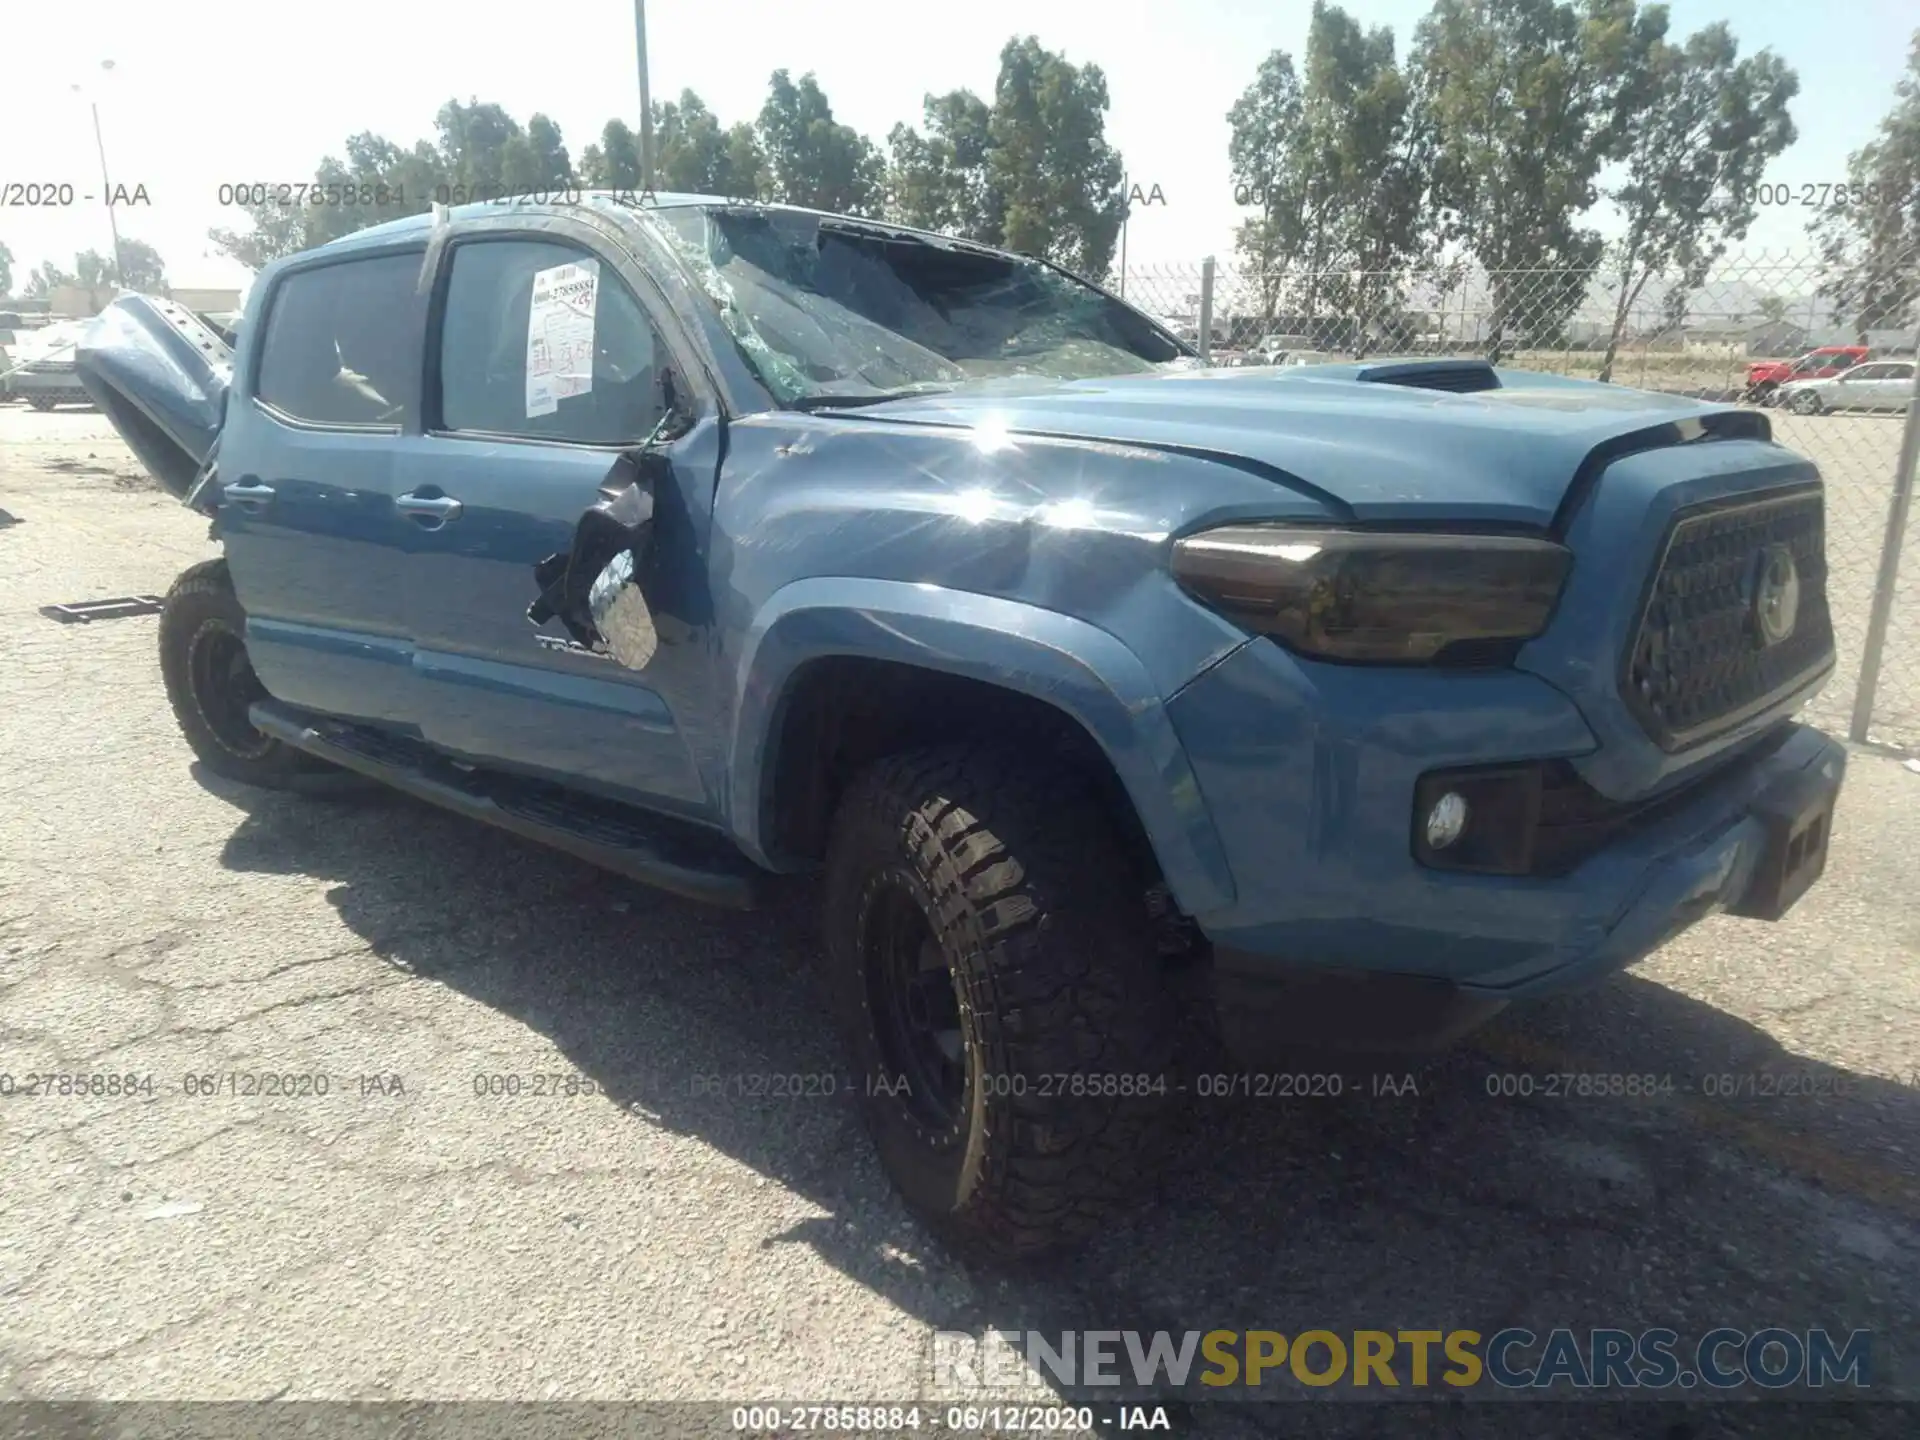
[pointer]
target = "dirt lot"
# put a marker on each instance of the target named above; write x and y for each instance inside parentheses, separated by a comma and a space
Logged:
(406, 1238)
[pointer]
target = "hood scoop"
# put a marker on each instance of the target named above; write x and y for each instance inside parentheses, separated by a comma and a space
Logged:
(1459, 377)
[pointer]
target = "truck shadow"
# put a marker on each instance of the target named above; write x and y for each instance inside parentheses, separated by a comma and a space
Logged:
(1425, 1194)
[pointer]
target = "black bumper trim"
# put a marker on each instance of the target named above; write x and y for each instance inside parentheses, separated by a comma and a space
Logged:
(1268, 1013)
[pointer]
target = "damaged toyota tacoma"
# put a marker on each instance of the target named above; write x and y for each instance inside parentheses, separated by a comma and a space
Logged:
(710, 541)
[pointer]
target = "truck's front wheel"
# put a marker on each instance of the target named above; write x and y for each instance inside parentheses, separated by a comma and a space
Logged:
(994, 967)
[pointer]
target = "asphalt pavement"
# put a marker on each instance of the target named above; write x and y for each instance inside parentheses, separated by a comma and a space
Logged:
(638, 1226)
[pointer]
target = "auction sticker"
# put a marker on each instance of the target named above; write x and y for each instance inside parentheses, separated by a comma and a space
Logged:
(560, 334)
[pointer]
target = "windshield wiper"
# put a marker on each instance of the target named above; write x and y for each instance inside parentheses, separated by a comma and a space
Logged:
(831, 401)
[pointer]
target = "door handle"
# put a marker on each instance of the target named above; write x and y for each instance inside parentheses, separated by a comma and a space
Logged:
(248, 492)
(433, 511)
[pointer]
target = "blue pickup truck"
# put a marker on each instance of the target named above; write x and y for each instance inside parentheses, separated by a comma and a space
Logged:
(712, 541)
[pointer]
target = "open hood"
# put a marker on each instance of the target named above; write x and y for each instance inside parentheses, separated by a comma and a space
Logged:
(160, 374)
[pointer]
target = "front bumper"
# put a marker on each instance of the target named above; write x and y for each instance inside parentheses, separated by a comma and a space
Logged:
(1340, 938)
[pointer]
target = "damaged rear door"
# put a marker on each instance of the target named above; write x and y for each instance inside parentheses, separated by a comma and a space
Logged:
(546, 370)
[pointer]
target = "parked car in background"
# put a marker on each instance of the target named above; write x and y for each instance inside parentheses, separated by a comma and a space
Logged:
(1335, 705)
(1877, 385)
(1272, 345)
(1764, 377)
(42, 367)
(1307, 357)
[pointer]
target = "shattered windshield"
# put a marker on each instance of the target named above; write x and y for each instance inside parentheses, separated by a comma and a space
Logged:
(836, 312)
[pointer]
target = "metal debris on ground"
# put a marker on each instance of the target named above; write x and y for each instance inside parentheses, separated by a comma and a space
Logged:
(82, 612)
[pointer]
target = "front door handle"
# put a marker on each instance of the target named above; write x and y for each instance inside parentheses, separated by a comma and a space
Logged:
(432, 511)
(248, 492)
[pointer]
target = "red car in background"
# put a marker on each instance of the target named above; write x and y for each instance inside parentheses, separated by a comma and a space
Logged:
(1765, 376)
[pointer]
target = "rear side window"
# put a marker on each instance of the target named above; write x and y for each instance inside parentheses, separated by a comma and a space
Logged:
(543, 340)
(342, 343)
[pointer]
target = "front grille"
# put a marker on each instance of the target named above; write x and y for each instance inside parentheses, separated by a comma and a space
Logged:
(1576, 821)
(1699, 662)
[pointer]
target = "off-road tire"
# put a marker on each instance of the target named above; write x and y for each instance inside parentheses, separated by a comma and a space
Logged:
(1042, 921)
(201, 610)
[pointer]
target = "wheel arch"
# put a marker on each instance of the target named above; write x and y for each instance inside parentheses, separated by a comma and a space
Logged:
(836, 672)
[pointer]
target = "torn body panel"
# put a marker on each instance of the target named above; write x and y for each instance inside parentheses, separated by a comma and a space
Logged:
(598, 589)
(161, 375)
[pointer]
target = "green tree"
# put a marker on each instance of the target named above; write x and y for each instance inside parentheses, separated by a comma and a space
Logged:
(6, 269)
(478, 150)
(1054, 176)
(746, 172)
(941, 180)
(273, 231)
(613, 164)
(45, 278)
(475, 145)
(1266, 122)
(1703, 125)
(1772, 308)
(694, 155)
(812, 159)
(690, 149)
(100, 276)
(1385, 158)
(1870, 238)
(1526, 101)
(141, 268)
(1337, 169)
(552, 165)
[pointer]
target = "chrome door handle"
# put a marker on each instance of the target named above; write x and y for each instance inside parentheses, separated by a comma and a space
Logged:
(243, 492)
(437, 508)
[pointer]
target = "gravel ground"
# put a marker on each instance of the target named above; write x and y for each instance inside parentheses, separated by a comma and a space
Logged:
(403, 1238)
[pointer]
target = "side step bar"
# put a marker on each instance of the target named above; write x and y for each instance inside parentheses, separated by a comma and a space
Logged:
(652, 849)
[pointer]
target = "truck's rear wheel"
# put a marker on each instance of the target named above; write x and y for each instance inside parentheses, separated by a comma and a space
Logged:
(210, 684)
(994, 967)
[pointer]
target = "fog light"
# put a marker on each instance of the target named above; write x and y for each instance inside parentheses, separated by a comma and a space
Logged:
(1446, 820)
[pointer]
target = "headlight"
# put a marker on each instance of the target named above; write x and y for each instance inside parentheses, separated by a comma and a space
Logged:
(1409, 598)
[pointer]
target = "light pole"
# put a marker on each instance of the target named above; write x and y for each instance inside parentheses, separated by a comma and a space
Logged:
(106, 185)
(646, 106)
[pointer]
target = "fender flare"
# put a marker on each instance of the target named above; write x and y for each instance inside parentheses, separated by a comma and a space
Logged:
(1087, 673)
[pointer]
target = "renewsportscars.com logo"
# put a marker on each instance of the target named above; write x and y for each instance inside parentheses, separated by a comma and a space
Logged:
(1220, 1362)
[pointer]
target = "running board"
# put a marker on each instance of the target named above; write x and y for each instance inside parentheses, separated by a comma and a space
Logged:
(652, 849)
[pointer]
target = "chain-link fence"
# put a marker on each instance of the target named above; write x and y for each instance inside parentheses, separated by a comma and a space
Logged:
(1760, 329)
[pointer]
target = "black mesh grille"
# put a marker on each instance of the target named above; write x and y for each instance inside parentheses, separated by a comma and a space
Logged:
(1697, 664)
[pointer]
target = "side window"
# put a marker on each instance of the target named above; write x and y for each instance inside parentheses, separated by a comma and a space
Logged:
(342, 342)
(541, 339)
(1899, 372)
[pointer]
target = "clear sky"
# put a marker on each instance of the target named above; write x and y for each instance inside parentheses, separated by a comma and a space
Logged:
(210, 91)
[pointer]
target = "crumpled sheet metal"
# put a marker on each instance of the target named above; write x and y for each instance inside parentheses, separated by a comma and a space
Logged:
(149, 360)
(596, 588)
(621, 613)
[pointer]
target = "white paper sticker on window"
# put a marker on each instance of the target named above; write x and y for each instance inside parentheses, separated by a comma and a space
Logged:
(560, 334)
